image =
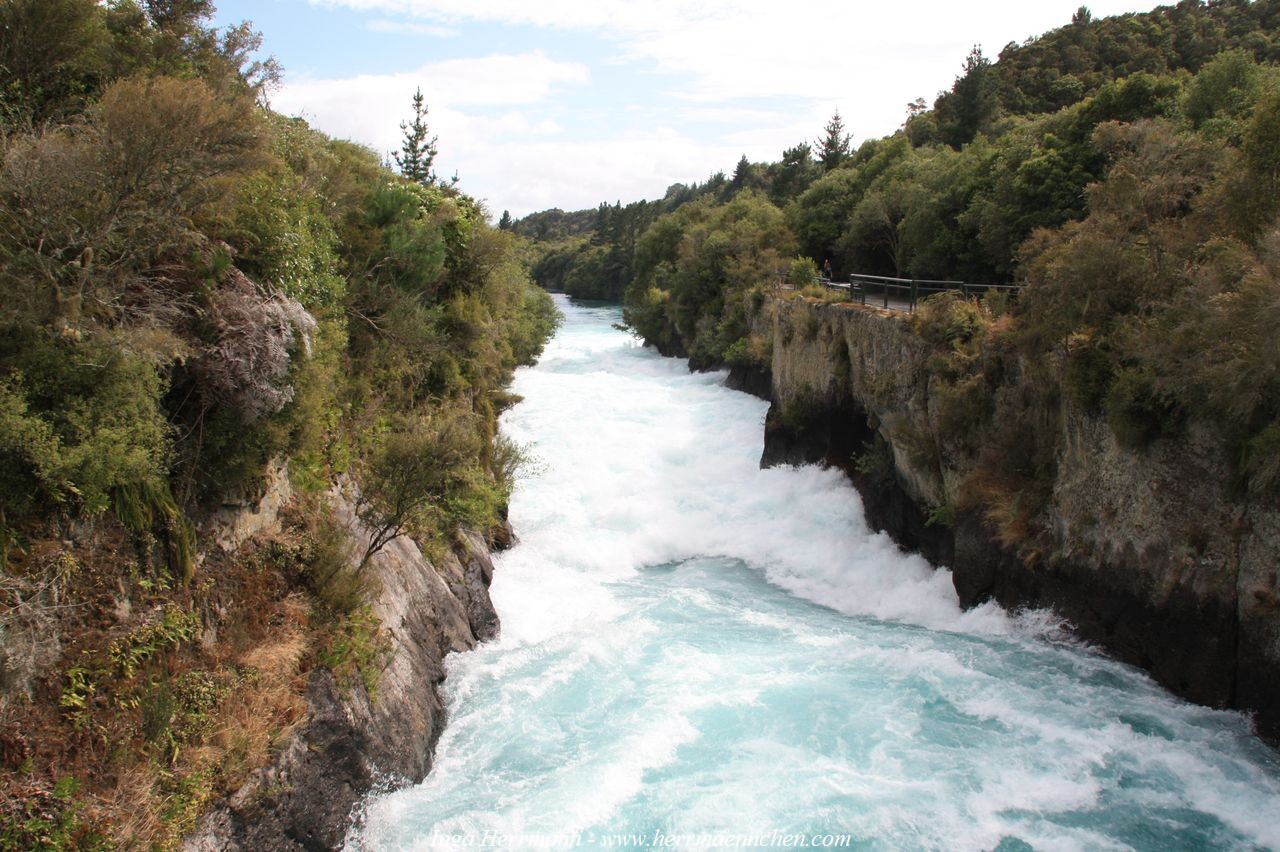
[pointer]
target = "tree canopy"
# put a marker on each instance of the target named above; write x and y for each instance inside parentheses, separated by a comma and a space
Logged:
(202, 297)
(1122, 170)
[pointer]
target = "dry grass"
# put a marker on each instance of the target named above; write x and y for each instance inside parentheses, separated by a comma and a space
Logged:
(133, 804)
(1000, 502)
(153, 805)
(147, 783)
(264, 715)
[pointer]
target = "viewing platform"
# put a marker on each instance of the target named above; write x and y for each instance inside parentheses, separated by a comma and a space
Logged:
(895, 294)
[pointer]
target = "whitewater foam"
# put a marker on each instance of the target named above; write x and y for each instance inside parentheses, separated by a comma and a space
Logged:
(693, 644)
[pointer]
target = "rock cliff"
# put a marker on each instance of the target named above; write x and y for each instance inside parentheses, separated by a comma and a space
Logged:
(352, 742)
(1150, 554)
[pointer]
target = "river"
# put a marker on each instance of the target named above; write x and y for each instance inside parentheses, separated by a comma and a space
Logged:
(698, 651)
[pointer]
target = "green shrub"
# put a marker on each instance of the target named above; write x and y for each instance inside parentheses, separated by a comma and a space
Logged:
(941, 516)
(146, 508)
(285, 240)
(178, 713)
(802, 273)
(738, 353)
(876, 462)
(509, 459)
(29, 459)
(328, 568)
(49, 821)
(964, 409)
(78, 419)
(948, 319)
(798, 412)
(417, 473)
(357, 650)
(174, 627)
(1088, 373)
(1137, 412)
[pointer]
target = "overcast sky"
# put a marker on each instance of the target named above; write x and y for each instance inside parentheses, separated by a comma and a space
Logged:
(567, 103)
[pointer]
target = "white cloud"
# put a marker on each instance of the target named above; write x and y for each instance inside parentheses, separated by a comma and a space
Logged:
(819, 49)
(573, 174)
(382, 25)
(620, 15)
(513, 160)
(743, 76)
(733, 115)
(485, 81)
(370, 107)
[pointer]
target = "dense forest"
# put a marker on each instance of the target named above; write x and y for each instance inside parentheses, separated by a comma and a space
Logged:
(1124, 172)
(198, 290)
(1008, 149)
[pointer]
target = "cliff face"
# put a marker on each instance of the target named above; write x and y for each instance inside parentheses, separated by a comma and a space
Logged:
(1149, 554)
(351, 741)
(851, 385)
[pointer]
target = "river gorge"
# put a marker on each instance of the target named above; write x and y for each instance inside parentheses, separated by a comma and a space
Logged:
(693, 645)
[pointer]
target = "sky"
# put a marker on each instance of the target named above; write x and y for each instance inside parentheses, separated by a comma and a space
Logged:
(568, 103)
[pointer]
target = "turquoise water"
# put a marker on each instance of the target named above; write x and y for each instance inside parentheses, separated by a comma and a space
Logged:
(700, 649)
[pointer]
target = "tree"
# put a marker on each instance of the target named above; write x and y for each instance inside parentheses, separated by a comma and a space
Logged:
(834, 148)
(793, 174)
(921, 127)
(421, 463)
(1227, 86)
(969, 107)
(874, 235)
(818, 214)
(745, 176)
(48, 57)
(1259, 180)
(178, 16)
(417, 153)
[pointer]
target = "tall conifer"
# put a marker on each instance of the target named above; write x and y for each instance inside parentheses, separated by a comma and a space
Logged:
(417, 152)
(834, 147)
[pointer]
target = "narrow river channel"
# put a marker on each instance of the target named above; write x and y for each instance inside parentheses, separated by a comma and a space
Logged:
(696, 650)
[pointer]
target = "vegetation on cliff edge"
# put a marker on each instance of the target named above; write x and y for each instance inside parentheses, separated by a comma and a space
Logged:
(1123, 171)
(198, 289)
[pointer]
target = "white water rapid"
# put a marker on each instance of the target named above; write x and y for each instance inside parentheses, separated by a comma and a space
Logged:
(697, 651)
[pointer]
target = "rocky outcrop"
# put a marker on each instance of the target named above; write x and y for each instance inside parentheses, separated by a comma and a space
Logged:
(1149, 554)
(849, 387)
(243, 516)
(352, 742)
(752, 379)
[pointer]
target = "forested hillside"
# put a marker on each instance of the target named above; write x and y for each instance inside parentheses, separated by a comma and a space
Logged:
(1101, 439)
(1124, 171)
(1007, 149)
(198, 290)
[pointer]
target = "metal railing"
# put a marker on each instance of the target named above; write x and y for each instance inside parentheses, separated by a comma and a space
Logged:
(895, 294)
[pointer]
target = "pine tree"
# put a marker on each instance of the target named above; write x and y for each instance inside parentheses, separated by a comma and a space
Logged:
(834, 148)
(417, 153)
(505, 223)
(969, 108)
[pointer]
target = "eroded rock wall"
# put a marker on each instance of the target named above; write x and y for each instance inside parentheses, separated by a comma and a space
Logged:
(1149, 554)
(352, 742)
(850, 385)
